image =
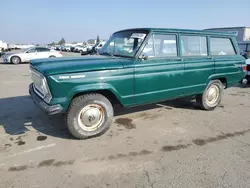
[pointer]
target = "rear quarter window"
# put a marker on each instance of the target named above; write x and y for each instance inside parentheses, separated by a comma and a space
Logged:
(221, 46)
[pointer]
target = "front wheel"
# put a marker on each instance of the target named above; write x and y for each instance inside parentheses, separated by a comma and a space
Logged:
(15, 60)
(212, 95)
(89, 115)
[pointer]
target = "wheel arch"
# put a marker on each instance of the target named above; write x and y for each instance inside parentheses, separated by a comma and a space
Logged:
(106, 90)
(222, 78)
(15, 55)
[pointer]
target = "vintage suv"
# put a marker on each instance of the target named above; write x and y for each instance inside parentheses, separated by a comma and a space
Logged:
(135, 67)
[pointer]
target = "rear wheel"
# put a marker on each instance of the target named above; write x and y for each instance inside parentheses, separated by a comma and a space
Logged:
(212, 95)
(89, 115)
(15, 60)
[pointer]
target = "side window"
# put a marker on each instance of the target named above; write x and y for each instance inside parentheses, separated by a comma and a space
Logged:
(161, 46)
(42, 49)
(165, 45)
(221, 46)
(193, 45)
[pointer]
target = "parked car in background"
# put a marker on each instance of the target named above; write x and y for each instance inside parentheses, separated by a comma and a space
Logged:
(136, 67)
(72, 48)
(248, 71)
(81, 49)
(94, 49)
(58, 47)
(62, 48)
(52, 47)
(30, 54)
(67, 48)
(99, 45)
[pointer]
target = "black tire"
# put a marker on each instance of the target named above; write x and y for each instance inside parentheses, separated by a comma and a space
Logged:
(15, 60)
(52, 56)
(202, 98)
(75, 109)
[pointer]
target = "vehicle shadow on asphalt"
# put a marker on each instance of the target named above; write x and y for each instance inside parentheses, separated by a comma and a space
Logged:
(10, 64)
(20, 115)
(243, 86)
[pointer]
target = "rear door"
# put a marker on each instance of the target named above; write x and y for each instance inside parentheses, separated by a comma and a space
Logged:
(160, 75)
(227, 62)
(43, 52)
(199, 65)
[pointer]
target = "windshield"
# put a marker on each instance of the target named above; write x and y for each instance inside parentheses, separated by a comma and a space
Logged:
(27, 49)
(124, 44)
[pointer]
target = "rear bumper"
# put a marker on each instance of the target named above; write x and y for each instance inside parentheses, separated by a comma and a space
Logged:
(49, 109)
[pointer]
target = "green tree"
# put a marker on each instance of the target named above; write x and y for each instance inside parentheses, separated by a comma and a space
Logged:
(62, 41)
(52, 44)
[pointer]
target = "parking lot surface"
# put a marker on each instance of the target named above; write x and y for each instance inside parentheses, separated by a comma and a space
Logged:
(170, 144)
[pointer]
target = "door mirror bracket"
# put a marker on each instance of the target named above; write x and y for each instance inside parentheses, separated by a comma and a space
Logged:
(144, 57)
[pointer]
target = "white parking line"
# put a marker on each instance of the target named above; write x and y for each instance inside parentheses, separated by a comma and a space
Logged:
(31, 150)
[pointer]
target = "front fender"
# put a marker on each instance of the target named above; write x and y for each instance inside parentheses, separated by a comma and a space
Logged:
(93, 88)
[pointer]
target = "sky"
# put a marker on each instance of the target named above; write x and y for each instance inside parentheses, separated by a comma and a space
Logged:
(46, 21)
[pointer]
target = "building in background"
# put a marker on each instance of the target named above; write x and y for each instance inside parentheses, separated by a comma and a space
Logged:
(242, 33)
(91, 41)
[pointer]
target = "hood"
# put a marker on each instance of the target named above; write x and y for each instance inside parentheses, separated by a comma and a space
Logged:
(12, 53)
(9, 53)
(52, 66)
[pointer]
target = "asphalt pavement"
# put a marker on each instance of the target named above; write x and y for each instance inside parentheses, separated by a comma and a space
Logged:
(170, 144)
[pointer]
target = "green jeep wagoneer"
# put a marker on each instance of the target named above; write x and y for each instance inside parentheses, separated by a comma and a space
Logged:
(135, 67)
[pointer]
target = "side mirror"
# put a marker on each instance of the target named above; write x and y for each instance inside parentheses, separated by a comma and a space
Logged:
(144, 57)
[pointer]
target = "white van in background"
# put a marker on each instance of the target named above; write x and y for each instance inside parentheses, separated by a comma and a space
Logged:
(3, 46)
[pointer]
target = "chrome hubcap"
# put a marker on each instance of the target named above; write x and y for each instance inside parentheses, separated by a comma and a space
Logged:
(212, 95)
(91, 117)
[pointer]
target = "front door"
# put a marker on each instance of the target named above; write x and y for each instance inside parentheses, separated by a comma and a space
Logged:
(30, 54)
(159, 76)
